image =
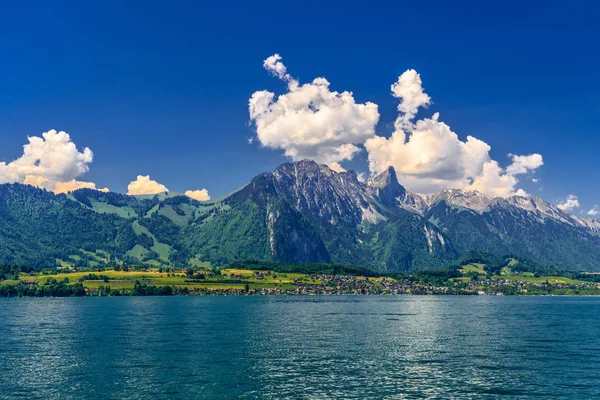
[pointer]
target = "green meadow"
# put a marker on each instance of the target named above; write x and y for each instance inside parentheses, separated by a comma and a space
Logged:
(554, 280)
(473, 268)
(229, 278)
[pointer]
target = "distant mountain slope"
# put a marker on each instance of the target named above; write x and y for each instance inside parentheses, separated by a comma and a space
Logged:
(38, 227)
(301, 212)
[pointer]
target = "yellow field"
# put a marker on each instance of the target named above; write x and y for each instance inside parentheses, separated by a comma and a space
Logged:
(125, 280)
(117, 275)
(274, 277)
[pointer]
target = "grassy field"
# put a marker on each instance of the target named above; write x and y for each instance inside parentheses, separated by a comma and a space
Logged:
(162, 249)
(239, 279)
(506, 274)
(473, 268)
(125, 280)
(463, 279)
(169, 212)
(264, 276)
(138, 251)
(104, 208)
(541, 279)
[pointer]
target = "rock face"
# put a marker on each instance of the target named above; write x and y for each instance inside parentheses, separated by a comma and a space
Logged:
(381, 224)
(301, 212)
(472, 200)
(320, 192)
(355, 220)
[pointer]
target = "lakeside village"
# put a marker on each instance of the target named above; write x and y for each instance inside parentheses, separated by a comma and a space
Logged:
(262, 278)
(347, 284)
(320, 284)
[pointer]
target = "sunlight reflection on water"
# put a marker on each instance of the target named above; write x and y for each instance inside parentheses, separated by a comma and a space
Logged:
(299, 347)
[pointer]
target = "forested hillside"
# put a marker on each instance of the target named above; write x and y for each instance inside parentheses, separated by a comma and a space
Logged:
(301, 213)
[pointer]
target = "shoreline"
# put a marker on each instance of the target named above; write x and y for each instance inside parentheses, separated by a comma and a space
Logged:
(299, 280)
(308, 295)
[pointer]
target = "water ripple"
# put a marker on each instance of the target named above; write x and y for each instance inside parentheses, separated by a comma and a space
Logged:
(352, 347)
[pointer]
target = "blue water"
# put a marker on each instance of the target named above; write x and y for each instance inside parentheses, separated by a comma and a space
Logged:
(300, 347)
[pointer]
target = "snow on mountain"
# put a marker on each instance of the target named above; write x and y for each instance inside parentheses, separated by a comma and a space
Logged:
(340, 198)
(470, 199)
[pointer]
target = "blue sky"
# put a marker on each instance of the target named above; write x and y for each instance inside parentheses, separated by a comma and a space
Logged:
(162, 88)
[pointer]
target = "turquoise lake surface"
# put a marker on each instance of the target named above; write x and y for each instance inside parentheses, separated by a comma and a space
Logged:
(361, 347)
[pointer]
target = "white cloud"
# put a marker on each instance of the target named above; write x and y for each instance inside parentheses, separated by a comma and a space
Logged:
(496, 181)
(200, 195)
(72, 185)
(593, 211)
(522, 193)
(38, 181)
(51, 162)
(535, 180)
(145, 185)
(571, 203)
(335, 166)
(53, 156)
(524, 164)
(428, 156)
(409, 89)
(274, 65)
(310, 120)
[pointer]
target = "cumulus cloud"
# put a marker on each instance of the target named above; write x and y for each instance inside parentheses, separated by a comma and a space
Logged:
(34, 180)
(52, 162)
(569, 204)
(274, 65)
(145, 185)
(200, 195)
(428, 156)
(72, 185)
(593, 211)
(409, 89)
(310, 120)
(335, 166)
(524, 164)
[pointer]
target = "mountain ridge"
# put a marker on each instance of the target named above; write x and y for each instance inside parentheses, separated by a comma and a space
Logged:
(300, 212)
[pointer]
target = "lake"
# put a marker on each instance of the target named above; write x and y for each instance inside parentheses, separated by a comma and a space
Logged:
(300, 347)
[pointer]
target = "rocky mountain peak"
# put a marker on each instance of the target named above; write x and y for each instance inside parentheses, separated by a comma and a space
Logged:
(531, 203)
(544, 209)
(338, 196)
(304, 168)
(302, 212)
(386, 178)
(470, 199)
(386, 188)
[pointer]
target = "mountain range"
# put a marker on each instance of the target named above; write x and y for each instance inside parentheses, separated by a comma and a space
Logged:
(301, 212)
